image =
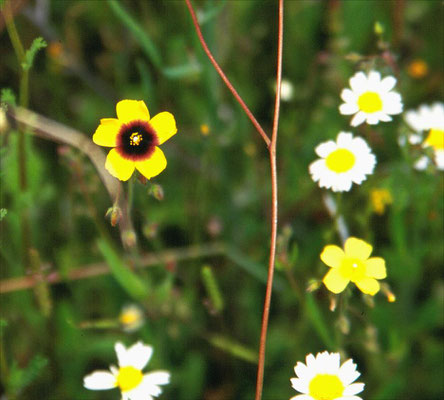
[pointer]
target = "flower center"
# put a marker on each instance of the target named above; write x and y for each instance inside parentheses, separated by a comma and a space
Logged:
(370, 102)
(129, 317)
(135, 139)
(340, 160)
(435, 139)
(352, 268)
(325, 387)
(129, 378)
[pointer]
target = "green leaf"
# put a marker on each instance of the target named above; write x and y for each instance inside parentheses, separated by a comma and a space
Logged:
(318, 322)
(129, 281)
(37, 44)
(210, 283)
(234, 348)
(181, 71)
(138, 33)
(3, 212)
(20, 378)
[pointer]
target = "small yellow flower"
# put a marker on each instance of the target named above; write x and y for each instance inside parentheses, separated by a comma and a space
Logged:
(131, 318)
(380, 198)
(418, 69)
(204, 129)
(353, 264)
(135, 138)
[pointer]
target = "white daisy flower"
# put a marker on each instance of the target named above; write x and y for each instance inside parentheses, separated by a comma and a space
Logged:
(133, 384)
(371, 99)
(346, 161)
(131, 318)
(322, 378)
(428, 120)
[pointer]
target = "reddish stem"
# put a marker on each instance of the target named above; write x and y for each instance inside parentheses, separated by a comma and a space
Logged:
(224, 77)
(274, 208)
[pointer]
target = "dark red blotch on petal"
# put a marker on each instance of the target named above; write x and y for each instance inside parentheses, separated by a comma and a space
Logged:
(148, 140)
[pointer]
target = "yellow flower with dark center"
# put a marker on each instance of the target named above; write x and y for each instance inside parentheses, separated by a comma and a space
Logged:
(353, 265)
(135, 138)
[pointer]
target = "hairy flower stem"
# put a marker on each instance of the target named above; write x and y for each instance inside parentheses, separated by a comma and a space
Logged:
(224, 77)
(274, 208)
(21, 145)
(271, 143)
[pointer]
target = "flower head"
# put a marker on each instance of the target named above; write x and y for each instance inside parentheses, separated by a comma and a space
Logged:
(346, 161)
(323, 378)
(429, 121)
(370, 98)
(135, 139)
(129, 378)
(380, 198)
(353, 264)
(131, 318)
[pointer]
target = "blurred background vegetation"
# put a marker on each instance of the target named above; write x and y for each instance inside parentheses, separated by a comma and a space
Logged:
(203, 308)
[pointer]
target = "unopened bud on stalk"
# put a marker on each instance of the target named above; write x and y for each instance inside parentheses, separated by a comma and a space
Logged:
(313, 285)
(156, 191)
(129, 238)
(115, 213)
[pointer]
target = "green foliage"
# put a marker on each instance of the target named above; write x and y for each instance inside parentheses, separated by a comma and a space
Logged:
(129, 281)
(37, 44)
(8, 97)
(20, 378)
(204, 322)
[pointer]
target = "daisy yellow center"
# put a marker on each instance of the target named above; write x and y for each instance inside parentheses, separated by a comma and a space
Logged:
(352, 268)
(135, 139)
(325, 387)
(340, 160)
(129, 378)
(370, 102)
(435, 139)
(129, 317)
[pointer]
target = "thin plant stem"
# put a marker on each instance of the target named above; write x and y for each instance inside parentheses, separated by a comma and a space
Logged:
(274, 208)
(21, 145)
(224, 77)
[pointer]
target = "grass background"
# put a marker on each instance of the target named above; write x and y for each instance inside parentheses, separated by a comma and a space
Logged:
(216, 189)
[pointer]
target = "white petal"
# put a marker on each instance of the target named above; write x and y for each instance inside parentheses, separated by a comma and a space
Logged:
(358, 119)
(309, 360)
(347, 372)
(439, 159)
(372, 119)
(353, 389)
(300, 370)
(348, 96)
(344, 139)
(300, 385)
(388, 83)
(348, 108)
(358, 82)
(374, 79)
(136, 356)
(384, 117)
(422, 163)
(99, 380)
(349, 398)
(157, 378)
(324, 149)
(415, 139)
(302, 397)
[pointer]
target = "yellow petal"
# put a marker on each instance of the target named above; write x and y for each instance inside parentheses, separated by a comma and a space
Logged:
(152, 166)
(334, 281)
(357, 248)
(165, 126)
(375, 268)
(368, 286)
(129, 110)
(118, 166)
(106, 133)
(332, 255)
